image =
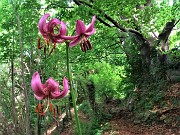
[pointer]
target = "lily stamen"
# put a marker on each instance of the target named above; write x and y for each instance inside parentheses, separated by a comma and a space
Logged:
(39, 43)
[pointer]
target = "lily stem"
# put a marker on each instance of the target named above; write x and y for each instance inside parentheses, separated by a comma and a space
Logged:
(72, 91)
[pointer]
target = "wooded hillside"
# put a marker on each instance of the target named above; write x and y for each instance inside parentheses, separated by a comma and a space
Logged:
(87, 65)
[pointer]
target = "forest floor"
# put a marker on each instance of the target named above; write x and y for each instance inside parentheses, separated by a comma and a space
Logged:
(123, 122)
(124, 125)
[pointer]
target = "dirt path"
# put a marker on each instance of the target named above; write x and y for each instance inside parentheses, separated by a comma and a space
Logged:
(123, 123)
(124, 126)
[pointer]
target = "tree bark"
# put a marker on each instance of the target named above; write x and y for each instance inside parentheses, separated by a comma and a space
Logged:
(27, 119)
(27, 116)
(163, 38)
(12, 91)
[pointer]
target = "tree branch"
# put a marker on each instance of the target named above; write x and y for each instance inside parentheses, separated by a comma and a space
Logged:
(164, 35)
(116, 24)
(138, 34)
(102, 21)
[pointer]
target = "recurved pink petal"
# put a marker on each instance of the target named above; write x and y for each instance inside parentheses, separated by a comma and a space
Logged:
(58, 40)
(69, 37)
(52, 85)
(53, 23)
(75, 42)
(36, 84)
(65, 85)
(63, 29)
(80, 27)
(55, 93)
(65, 89)
(90, 32)
(42, 25)
(39, 96)
(90, 27)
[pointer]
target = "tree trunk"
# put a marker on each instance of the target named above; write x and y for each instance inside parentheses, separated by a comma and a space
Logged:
(12, 90)
(27, 119)
(27, 116)
(91, 93)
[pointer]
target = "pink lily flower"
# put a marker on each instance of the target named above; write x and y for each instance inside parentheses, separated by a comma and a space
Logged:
(49, 90)
(82, 34)
(47, 29)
